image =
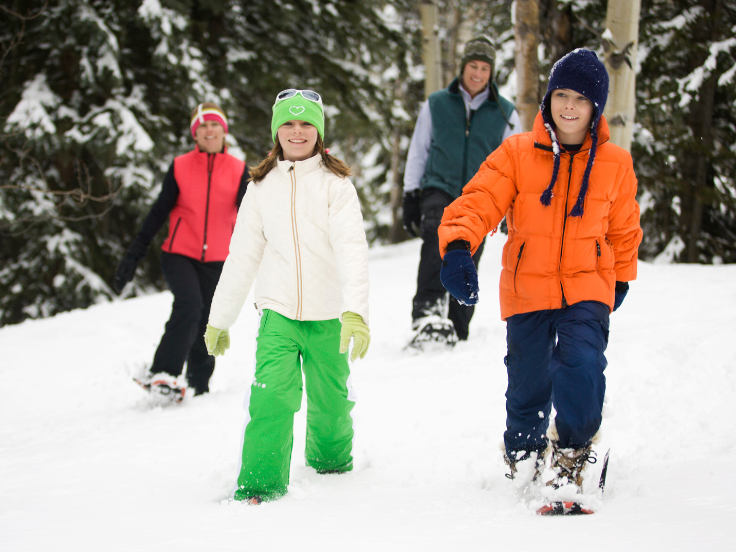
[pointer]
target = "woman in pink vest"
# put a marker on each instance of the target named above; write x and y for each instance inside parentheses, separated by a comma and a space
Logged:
(200, 195)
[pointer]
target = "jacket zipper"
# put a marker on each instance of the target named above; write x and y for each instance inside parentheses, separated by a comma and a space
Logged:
(518, 262)
(564, 225)
(598, 262)
(468, 122)
(297, 251)
(210, 168)
(173, 234)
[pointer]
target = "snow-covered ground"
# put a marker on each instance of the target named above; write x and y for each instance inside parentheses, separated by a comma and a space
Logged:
(87, 464)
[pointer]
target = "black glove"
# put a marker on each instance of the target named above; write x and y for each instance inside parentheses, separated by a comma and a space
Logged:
(412, 212)
(126, 268)
(622, 288)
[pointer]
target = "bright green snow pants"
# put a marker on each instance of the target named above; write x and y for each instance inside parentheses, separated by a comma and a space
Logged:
(285, 347)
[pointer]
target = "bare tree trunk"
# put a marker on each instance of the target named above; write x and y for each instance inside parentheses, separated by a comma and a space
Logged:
(431, 47)
(620, 42)
(396, 232)
(450, 56)
(459, 18)
(700, 121)
(555, 20)
(526, 33)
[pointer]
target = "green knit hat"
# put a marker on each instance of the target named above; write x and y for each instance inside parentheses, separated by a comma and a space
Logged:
(297, 108)
(479, 48)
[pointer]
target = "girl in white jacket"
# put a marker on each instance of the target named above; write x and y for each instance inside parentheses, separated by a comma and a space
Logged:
(299, 235)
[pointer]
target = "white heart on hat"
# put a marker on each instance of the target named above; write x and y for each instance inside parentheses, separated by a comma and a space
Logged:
(296, 109)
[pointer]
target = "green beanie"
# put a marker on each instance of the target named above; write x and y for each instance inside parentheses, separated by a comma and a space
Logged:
(479, 48)
(297, 108)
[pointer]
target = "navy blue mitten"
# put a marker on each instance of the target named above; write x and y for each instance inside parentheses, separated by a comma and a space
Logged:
(622, 288)
(459, 276)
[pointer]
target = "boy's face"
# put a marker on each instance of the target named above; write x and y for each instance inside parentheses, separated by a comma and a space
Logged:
(210, 137)
(572, 113)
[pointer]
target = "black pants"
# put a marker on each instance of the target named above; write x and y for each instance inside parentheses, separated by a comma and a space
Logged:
(193, 285)
(431, 295)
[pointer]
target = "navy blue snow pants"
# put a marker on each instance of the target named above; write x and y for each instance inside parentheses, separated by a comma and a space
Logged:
(555, 356)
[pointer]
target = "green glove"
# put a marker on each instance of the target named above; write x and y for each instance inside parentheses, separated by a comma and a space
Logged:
(217, 341)
(353, 326)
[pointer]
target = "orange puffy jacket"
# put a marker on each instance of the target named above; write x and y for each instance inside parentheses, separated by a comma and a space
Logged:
(551, 260)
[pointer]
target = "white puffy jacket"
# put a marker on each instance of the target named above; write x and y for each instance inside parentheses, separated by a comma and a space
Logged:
(300, 231)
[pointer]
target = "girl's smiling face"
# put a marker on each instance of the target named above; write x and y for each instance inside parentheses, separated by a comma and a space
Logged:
(572, 113)
(297, 139)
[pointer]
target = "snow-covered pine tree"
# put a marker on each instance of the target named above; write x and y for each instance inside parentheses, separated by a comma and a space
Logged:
(686, 130)
(96, 100)
(76, 127)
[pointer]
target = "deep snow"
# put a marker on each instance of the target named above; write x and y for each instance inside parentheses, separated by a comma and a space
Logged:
(87, 464)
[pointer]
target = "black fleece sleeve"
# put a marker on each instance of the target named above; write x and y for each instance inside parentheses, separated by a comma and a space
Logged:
(159, 211)
(243, 187)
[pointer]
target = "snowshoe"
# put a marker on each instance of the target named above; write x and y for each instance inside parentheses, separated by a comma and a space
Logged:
(432, 333)
(567, 508)
(572, 490)
(163, 388)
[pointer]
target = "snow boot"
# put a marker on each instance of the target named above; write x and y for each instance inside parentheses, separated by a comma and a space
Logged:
(568, 465)
(198, 388)
(526, 469)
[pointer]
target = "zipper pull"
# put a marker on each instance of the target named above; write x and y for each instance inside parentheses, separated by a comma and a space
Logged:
(598, 247)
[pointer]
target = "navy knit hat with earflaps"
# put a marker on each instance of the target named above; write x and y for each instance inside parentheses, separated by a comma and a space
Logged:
(583, 72)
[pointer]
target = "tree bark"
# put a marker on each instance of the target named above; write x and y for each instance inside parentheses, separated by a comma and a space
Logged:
(526, 34)
(396, 232)
(555, 25)
(431, 47)
(700, 121)
(620, 42)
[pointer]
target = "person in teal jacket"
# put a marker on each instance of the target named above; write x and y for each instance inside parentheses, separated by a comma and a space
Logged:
(457, 128)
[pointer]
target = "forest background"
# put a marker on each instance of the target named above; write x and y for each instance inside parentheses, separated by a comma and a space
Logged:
(95, 98)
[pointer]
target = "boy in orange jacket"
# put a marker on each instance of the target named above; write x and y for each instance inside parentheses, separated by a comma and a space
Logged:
(569, 197)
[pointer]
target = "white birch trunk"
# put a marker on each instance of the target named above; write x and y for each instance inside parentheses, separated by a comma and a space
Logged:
(620, 42)
(431, 47)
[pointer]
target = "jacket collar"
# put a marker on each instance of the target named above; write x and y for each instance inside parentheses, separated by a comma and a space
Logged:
(455, 89)
(308, 165)
(198, 151)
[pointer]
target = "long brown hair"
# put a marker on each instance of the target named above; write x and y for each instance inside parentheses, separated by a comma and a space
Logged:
(331, 163)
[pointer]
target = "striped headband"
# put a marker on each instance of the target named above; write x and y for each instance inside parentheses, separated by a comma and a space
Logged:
(207, 114)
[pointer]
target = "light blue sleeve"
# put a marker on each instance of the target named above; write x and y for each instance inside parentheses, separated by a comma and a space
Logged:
(513, 120)
(416, 160)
